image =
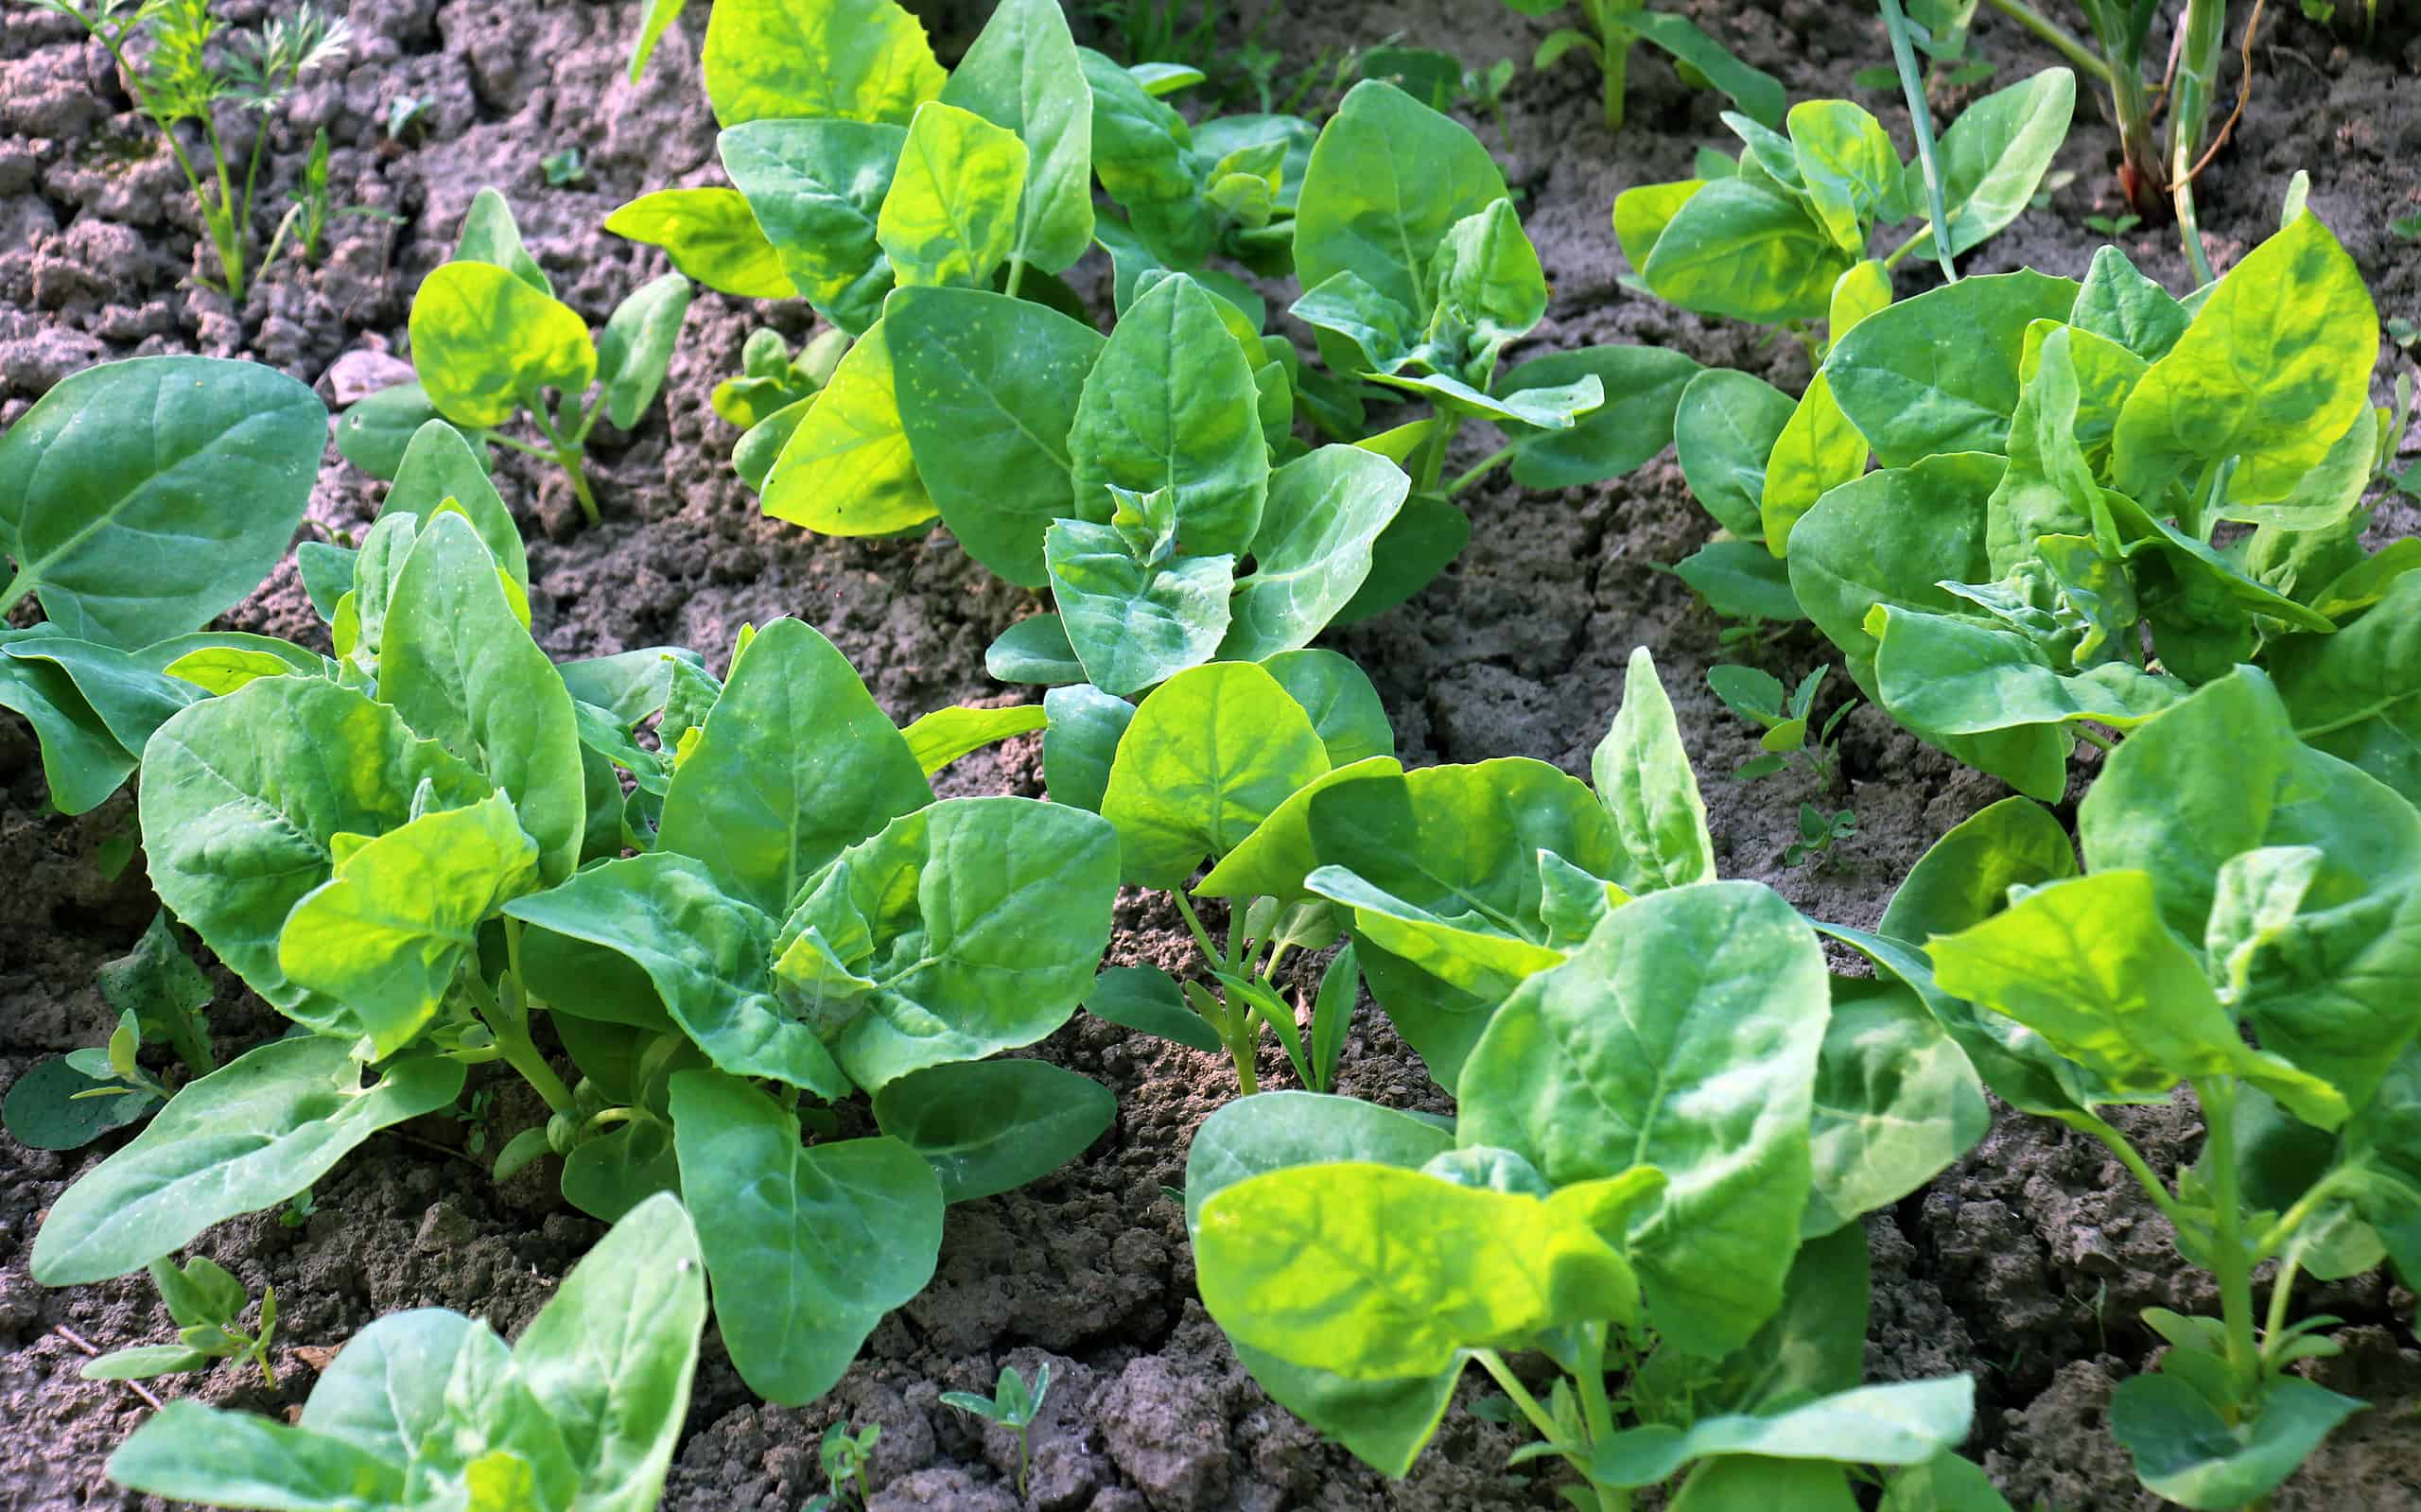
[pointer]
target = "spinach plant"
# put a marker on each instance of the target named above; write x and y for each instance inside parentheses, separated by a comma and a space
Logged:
(138, 500)
(489, 339)
(206, 1304)
(844, 1457)
(66, 1102)
(417, 853)
(2237, 881)
(162, 50)
(1612, 28)
(2041, 549)
(1639, 1185)
(1013, 1404)
(428, 1409)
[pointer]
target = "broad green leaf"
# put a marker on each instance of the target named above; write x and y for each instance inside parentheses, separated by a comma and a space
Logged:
(2275, 367)
(2087, 964)
(1313, 548)
(1548, 409)
(861, 60)
(1022, 72)
(1684, 1035)
(708, 954)
(1480, 956)
(1753, 89)
(248, 1136)
(1079, 743)
(1642, 387)
(1952, 675)
(1275, 859)
(808, 1247)
(1144, 153)
(1170, 404)
(1643, 778)
(243, 797)
(2357, 694)
(1965, 877)
(710, 235)
(140, 498)
(1940, 373)
(1209, 754)
(485, 343)
(847, 468)
(1426, 534)
(2120, 304)
(1817, 451)
(1133, 623)
(439, 468)
(1746, 250)
(43, 1112)
(1724, 428)
(1897, 1103)
(2336, 994)
(489, 236)
(1374, 1272)
(127, 692)
(952, 215)
(1378, 329)
(637, 348)
(1034, 650)
(1344, 708)
(1943, 1484)
(610, 1355)
(631, 684)
(2185, 1452)
(388, 933)
(816, 188)
(988, 389)
(977, 923)
(1994, 157)
(1748, 1482)
(1847, 167)
(1147, 1000)
(945, 735)
(1739, 579)
(1642, 213)
(2049, 487)
(1906, 1423)
(191, 1452)
(1387, 178)
(795, 763)
(455, 663)
(607, 1175)
(991, 1126)
(1816, 1344)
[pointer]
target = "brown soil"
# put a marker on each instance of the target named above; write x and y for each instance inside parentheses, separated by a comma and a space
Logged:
(2027, 1264)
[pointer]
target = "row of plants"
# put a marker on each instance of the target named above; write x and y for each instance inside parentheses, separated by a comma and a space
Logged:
(737, 910)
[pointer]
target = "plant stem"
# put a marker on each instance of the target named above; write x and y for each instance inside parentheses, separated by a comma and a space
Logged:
(2281, 1289)
(2189, 114)
(2117, 1145)
(2235, 1264)
(1430, 460)
(1494, 1364)
(507, 1019)
(1486, 465)
(1596, 1410)
(20, 586)
(1016, 274)
(566, 456)
(1193, 923)
(2060, 39)
(1903, 53)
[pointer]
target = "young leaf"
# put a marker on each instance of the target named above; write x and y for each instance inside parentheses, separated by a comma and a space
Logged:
(2120, 304)
(439, 468)
(862, 59)
(816, 188)
(1994, 157)
(637, 348)
(1209, 754)
(1344, 708)
(991, 1126)
(1753, 89)
(1913, 397)
(945, 735)
(372, 432)
(1642, 388)
(484, 343)
(1313, 549)
(1022, 72)
(1136, 622)
(191, 1452)
(1748, 250)
(139, 498)
(808, 1248)
(248, 1136)
(1146, 999)
(1906, 1423)
(1723, 431)
(952, 215)
(1643, 778)
(2185, 1452)
(1896, 1103)
(1079, 743)
(711, 235)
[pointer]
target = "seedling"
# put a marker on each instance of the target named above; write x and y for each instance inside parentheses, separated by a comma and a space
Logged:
(162, 50)
(407, 118)
(67, 1102)
(1818, 832)
(1612, 28)
(205, 1303)
(307, 218)
(2408, 227)
(1758, 697)
(489, 340)
(1011, 1405)
(588, 1403)
(564, 168)
(2113, 227)
(844, 1458)
(298, 1210)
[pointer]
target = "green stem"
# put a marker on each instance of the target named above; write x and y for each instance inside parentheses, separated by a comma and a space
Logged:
(1016, 274)
(2117, 1145)
(1595, 1409)
(2284, 1230)
(226, 229)
(2096, 738)
(20, 586)
(567, 456)
(2281, 1289)
(1903, 53)
(524, 447)
(507, 1019)
(2233, 1262)
(1489, 465)
(1193, 923)
(2189, 116)
(1494, 1364)
(2060, 39)
(1430, 460)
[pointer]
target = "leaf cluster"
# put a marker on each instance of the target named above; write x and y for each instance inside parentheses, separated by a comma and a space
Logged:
(1612, 28)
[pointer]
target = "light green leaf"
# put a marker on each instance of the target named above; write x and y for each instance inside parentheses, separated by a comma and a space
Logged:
(1896, 1103)
(1642, 386)
(1994, 158)
(1748, 250)
(1953, 675)
(808, 1248)
(248, 1136)
(1723, 431)
(1209, 754)
(2357, 694)
(2120, 304)
(952, 215)
(1817, 451)
(1847, 168)
(1313, 549)
(140, 498)
(862, 59)
(485, 343)
(1022, 72)
(637, 348)
(1940, 373)
(945, 735)
(816, 188)
(1133, 623)
(1644, 779)
(439, 468)
(1275, 859)
(2188, 1453)
(710, 235)
(1079, 743)
(1344, 708)
(191, 1452)
(847, 468)
(1906, 1423)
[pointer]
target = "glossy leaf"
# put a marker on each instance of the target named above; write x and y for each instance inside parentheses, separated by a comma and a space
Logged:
(945, 735)
(1906, 1423)
(1748, 250)
(1643, 778)
(1940, 373)
(952, 215)
(1642, 385)
(637, 348)
(1994, 157)
(1344, 708)
(1023, 74)
(1209, 756)
(1312, 551)
(2188, 1453)
(439, 468)
(1135, 622)
(1897, 1103)
(861, 60)
(848, 468)
(1723, 431)
(710, 235)
(485, 343)
(991, 1126)
(197, 1453)
(816, 188)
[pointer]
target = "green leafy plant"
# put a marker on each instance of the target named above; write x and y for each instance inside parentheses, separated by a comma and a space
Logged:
(429, 1408)
(106, 485)
(1783, 714)
(844, 1456)
(66, 1102)
(2237, 880)
(1612, 28)
(413, 849)
(1011, 1404)
(1819, 833)
(2113, 226)
(307, 218)
(489, 339)
(773, 386)
(562, 168)
(206, 1304)
(163, 51)
(406, 118)
(1439, 80)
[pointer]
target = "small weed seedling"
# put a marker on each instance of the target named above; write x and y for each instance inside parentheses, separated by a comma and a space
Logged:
(565, 168)
(1011, 1405)
(163, 51)
(69, 1101)
(1818, 832)
(206, 1302)
(406, 118)
(846, 1457)
(1758, 697)
(2113, 227)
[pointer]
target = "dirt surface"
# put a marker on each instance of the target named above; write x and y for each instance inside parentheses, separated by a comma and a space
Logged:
(2026, 1265)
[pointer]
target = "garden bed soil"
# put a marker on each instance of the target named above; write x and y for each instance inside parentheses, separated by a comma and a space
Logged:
(2027, 1264)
